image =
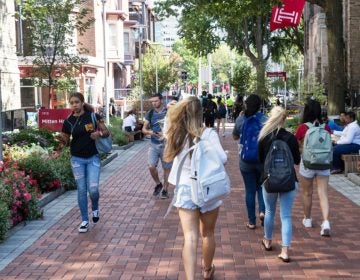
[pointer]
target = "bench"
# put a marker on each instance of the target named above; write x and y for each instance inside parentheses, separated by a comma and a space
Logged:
(133, 135)
(351, 163)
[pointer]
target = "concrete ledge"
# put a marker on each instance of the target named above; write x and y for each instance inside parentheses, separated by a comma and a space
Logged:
(48, 197)
(355, 178)
(123, 147)
(109, 158)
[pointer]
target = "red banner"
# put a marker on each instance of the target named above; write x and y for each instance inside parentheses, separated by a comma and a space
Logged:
(53, 119)
(288, 14)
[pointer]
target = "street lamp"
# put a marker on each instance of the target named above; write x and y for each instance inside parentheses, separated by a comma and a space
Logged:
(105, 62)
(139, 28)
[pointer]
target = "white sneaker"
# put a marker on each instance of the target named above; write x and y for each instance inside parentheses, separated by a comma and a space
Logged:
(84, 226)
(307, 222)
(325, 228)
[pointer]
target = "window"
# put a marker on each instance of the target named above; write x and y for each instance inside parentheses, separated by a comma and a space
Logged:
(112, 37)
(126, 42)
(89, 90)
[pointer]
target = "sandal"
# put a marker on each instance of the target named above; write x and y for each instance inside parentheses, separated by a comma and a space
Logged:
(208, 273)
(285, 260)
(266, 247)
(262, 218)
(250, 226)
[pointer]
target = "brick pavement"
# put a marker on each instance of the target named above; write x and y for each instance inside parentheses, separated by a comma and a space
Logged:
(132, 241)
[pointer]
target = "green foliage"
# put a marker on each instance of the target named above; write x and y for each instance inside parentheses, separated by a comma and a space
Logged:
(50, 26)
(43, 137)
(242, 77)
(166, 69)
(118, 136)
(61, 169)
(311, 88)
(292, 123)
(187, 60)
(4, 219)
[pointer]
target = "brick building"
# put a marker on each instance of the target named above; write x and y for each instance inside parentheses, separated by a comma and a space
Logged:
(316, 54)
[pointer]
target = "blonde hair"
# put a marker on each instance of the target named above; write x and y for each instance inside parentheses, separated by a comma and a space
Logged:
(275, 121)
(184, 123)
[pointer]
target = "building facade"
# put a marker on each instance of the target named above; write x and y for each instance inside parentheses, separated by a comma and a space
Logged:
(316, 53)
(9, 72)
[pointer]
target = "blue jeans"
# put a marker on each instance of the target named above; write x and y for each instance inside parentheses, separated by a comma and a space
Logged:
(87, 174)
(286, 203)
(251, 174)
(343, 149)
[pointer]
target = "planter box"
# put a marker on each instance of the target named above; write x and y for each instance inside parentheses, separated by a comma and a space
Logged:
(48, 197)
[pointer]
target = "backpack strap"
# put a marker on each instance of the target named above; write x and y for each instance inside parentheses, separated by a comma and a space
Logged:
(178, 174)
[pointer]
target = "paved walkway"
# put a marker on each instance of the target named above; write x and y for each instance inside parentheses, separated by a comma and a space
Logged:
(133, 241)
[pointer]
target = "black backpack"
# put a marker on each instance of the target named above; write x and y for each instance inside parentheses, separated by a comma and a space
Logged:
(279, 167)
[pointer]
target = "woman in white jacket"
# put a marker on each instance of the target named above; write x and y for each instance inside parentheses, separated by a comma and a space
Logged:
(185, 125)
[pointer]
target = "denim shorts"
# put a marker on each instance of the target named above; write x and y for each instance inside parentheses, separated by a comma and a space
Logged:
(182, 197)
(156, 153)
(311, 173)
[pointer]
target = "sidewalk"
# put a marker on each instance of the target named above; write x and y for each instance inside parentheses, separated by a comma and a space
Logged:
(133, 241)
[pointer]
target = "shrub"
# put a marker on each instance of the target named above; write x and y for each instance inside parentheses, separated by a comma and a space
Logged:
(118, 136)
(61, 168)
(4, 219)
(43, 137)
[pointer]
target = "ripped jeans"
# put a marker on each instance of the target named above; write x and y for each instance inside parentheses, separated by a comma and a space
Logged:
(87, 174)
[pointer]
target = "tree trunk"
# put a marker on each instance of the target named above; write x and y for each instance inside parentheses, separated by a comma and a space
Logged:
(260, 78)
(336, 54)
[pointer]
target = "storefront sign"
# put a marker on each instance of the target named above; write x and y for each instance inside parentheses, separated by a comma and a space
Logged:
(53, 119)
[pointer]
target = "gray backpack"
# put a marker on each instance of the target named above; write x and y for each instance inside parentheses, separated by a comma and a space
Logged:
(279, 167)
(317, 150)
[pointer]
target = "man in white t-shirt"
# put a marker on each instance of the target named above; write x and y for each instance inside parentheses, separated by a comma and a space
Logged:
(348, 143)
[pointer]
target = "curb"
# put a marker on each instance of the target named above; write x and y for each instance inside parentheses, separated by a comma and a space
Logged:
(353, 177)
(48, 197)
(109, 159)
(123, 147)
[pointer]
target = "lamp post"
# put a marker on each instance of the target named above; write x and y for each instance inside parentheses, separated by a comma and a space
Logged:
(139, 28)
(105, 62)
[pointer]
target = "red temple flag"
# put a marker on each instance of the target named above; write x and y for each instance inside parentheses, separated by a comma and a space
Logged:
(288, 14)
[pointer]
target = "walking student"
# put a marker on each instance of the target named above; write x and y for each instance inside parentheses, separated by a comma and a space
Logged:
(78, 130)
(274, 130)
(220, 116)
(312, 116)
(247, 128)
(154, 120)
(185, 125)
(210, 111)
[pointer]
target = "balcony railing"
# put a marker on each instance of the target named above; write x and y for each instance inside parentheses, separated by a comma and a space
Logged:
(121, 93)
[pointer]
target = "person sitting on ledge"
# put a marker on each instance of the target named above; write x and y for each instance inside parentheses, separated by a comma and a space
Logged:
(129, 122)
(348, 143)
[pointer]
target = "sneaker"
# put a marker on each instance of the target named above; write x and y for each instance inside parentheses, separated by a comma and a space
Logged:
(96, 216)
(157, 189)
(325, 228)
(307, 222)
(223, 135)
(84, 226)
(164, 194)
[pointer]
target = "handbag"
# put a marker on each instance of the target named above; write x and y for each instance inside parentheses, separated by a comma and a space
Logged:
(103, 144)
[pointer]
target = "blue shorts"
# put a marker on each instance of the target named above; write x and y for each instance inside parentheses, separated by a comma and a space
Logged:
(182, 197)
(156, 153)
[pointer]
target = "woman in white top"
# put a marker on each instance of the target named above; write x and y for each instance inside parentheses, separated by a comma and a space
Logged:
(185, 125)
(348, 143)
(129, 123)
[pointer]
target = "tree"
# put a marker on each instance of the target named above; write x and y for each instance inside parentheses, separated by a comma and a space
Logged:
(335, 41)
(166, 67)
(242, 77)
(51, 27)
(243, 25)
(188, 62)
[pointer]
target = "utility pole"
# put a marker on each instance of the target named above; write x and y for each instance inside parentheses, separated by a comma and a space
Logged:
(199, 78)
(105, 64)
(210, 74)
